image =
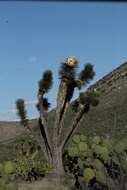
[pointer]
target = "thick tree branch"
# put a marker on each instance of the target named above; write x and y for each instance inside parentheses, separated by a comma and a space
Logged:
(41, 143)
(61, 124)
(69, 95)
(60, 103)
(74, 125)
(43, 127)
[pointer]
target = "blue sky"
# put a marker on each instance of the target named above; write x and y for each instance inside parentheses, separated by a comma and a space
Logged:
(35, 36)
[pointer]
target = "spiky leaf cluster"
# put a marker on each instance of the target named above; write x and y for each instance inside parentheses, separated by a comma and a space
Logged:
(67, 73)
(75, 105)
(20, 105)
(90, 98)
(46, 104)
(87, 73)
(46, 82)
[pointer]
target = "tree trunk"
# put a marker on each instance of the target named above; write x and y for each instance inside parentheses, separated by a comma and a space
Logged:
(57, 162)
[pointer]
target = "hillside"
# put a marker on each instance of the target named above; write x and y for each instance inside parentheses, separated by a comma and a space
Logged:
(107, 118)
(110, 116)
(10, 130)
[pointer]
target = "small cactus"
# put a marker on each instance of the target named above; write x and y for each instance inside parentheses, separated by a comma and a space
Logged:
(88, 174)
(101, 177)
(96, 140)
(102, 152)
(82, 147)
(73, 151)
(83, 138)
(76, 138)
(119, 147)
(98, 164)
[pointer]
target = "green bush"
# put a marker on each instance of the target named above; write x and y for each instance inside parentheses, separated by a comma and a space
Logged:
(9, 167)
(25, 166)
(7, 184)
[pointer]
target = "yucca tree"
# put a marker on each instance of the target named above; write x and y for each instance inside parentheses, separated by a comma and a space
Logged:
(54, 142)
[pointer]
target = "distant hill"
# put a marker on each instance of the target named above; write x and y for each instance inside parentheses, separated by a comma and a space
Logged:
(11, 130)
(108, 118)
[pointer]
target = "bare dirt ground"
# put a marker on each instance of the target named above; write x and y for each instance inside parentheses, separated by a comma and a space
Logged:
(45, 184)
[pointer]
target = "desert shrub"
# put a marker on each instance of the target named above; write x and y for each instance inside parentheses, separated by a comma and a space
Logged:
(7, 183)
(25, 147)
(30, 169)
(9, 167)
(7, 176)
